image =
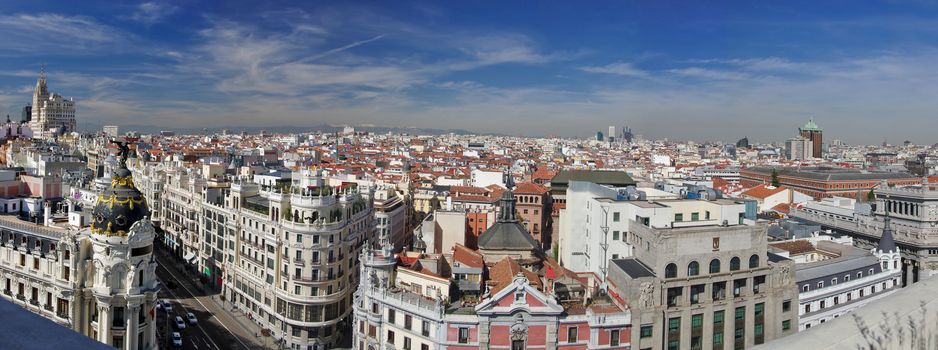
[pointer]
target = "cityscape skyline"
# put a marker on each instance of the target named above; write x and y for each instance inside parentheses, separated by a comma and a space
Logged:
(698, 73)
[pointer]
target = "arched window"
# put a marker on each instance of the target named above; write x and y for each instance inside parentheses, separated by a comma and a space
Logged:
(670, 271)
(859, 274)
(693, 269)
(734, 264)
(753, 261)
(715, 266)
(834, 281)
(804, 288)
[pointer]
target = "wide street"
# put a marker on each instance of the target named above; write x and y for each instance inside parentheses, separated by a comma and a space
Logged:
(216, 329)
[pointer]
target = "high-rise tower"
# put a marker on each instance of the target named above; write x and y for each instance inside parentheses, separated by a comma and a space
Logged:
(812, 132)
(51, 114)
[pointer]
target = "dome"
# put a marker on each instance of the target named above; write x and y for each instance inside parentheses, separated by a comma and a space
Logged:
(120, 205)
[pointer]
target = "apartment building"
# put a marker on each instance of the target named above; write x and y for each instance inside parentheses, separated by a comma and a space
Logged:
(597, 223)
(281, 246)
(704, 287)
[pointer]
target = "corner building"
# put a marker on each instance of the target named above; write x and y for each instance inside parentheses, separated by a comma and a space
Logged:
(99, 281)
(705, 288)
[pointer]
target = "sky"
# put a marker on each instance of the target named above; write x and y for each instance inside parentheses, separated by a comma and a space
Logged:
(683, 70)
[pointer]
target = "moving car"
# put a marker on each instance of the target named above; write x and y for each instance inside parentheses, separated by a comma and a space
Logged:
(180, 324)
(191, 318)
(167, 306)
(177, 339)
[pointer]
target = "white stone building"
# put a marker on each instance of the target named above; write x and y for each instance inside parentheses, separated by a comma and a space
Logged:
(52, 114)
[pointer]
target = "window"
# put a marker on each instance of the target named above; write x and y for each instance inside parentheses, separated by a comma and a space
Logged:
(786, 306)
(807, 307)
(741, 313)
(846, 278)
(407, 343)
(718, 291)
(804, 288)
(670, 271)
(615, 235)
(834, 281)
(696, 321)
(718, 339)
(753, 261)
(678, 217)
(718, 317)
(674, 324)
(424, 347)
(614, 337)
(820, 284)
(463, 335)
(408, 322)
(695, 292)
(571, 334)
(757, 329)
(707, 215)
(734, 264)
(786, 325)
(715, 266)
(694, 216)
(391, 337)
(759, 309)
(693, 269)
(674, 295)
(425, 328)
(859, 274)
(392, 316)
(674, 345)
(646, 331)
(615, 217)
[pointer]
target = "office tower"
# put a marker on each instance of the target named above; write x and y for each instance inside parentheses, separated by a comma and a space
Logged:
(51, 114)
(813, 133)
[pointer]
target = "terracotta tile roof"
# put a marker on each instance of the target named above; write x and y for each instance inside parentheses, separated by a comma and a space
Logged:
(795, 247)
(529, 188)
(782, 208)
(763, 191)
(467, 256)
(505, 270)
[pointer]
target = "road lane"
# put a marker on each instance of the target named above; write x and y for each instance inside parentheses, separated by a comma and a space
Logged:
(186, 291)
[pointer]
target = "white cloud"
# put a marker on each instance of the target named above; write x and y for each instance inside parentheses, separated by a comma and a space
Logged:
(152, 12)
(69, 35)
(621, 68)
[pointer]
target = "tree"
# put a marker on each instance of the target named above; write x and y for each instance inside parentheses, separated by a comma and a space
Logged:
(870, 196)
(775, 178)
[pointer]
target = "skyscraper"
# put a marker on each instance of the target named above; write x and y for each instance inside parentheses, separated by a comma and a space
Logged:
(812, 132)
(51, 113)
(612, 133)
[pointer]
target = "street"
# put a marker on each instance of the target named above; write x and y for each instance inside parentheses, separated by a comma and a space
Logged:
(215, 329)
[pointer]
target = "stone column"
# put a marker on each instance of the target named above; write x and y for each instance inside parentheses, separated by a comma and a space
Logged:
(104, 323)
(131, 327)
(909, 273)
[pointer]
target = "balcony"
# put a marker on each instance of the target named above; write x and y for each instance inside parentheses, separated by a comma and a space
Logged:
(7, 292)
(48, 307)
(21, 297)
(34, 302)
(299, 262)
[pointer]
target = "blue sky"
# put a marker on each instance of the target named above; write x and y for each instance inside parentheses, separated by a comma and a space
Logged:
(698, 70)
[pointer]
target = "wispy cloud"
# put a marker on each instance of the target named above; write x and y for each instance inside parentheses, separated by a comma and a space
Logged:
(44, 33)
(152, 12)
(621, 68)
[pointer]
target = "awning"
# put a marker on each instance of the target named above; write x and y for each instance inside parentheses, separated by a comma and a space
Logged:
(189, 257)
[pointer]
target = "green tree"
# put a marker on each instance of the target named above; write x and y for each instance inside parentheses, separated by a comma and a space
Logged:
(870, 196)
(775, 178)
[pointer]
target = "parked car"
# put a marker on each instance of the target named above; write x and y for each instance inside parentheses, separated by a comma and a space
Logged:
(180, 324)
(177, 340)
(167, 306)
(191, 318)
(159, 305)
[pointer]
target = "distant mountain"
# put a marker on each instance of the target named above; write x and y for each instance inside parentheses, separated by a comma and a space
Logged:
(325, 128)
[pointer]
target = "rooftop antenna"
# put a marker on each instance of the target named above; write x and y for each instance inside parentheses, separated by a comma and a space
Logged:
(42, 71)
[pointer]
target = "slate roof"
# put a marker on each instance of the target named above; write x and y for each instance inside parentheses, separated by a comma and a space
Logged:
(24, 330)
(603, 177)
(507, 236)
(633, 267)
(832, 174)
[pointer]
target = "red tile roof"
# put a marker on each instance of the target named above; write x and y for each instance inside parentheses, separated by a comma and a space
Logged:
(763, 191)
(529, 188)
(504, 272)
(467, 256)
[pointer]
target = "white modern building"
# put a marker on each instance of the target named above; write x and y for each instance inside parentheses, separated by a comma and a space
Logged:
(597, 221)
